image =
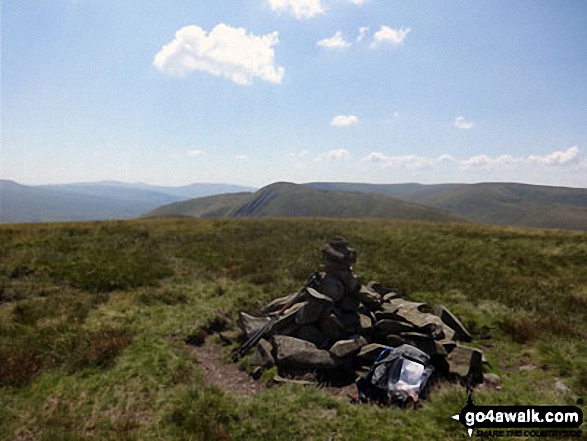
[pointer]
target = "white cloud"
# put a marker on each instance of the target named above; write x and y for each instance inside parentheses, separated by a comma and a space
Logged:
(570, 156)
(196, 153)
(225, 51)
(241, 157)
(298, 8)
(407, 161)
(334, 155)
(337, 41)
(362, 33)
(358, 2)
(445, 158)
(344, 120)
(387, 35)
(558, 157)
(462, 123)
(490, 162)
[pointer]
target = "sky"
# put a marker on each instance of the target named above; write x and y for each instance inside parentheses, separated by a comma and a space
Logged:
(252, 92)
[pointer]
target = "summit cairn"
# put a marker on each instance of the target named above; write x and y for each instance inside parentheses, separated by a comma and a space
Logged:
(335, 327)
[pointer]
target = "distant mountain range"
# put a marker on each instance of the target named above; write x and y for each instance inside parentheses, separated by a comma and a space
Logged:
(94, 201)
(488, 203)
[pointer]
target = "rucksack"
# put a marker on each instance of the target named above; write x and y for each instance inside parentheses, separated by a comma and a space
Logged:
(398, 376)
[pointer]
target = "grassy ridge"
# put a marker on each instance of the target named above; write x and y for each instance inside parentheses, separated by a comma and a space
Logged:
(513, 204)
(284, 199)
(92, 318)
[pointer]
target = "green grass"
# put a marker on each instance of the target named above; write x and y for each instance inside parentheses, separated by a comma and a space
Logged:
(93, 317)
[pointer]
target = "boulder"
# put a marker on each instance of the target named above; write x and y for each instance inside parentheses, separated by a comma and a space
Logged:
(387, 326)
(277, 304)
(249, 324)
(466, 362)
(387, 311)
(294, 353)
(262, 356)
(312, 334)
(369, 298)
(424, 322)
(391, 296)
(366, 323)
(454, 323)
(347, 348)
(370, 352)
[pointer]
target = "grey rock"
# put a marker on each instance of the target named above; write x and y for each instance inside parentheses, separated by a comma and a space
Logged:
(347, 348)
(453, 322)
(249, 324)
(387, 326)
(312, 334)
(370, 352)
(465, 362)
(294, 353)
(262, 356)
(366, 323)
(391, 296)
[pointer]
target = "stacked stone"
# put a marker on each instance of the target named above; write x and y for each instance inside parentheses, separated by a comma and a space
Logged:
(300, 341)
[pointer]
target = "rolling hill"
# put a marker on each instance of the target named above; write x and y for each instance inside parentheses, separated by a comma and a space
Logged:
(490, 203)
(284, 199)
(93, 200)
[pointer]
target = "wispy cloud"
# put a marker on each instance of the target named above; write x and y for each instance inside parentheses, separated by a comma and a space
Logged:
(570, 156)
(358, 2)
(337, 41)
(344, 120)
(334, 155)
(362, 33)
(407, 161)
(389, 36)
(226, 51)
(241, 157)
(196, 153)
(300, 9)
(462, 123)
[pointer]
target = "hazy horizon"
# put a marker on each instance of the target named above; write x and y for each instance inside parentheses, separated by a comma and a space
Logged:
(259, 91)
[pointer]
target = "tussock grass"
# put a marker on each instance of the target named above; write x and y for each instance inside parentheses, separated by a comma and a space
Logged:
(93, 318)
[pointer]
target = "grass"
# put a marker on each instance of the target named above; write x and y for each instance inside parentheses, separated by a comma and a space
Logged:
(93, 318)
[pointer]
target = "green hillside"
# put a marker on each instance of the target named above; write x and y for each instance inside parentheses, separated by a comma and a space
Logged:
(291, 200)
(209, 206)
(491, 203)
(93, 318)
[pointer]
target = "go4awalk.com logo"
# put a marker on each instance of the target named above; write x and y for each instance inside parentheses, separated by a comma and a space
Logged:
(526, 421)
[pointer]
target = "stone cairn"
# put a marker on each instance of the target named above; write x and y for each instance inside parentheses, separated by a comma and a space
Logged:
(303, 348)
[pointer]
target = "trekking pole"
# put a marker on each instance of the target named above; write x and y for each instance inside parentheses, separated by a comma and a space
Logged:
(260, 333)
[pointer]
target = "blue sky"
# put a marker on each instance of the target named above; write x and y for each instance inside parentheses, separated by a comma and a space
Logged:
(256, 91)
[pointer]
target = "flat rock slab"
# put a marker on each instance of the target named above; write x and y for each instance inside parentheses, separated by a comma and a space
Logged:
(454, 323)
(465, 361)
(347, 348)
(294, 353)
(370, 352)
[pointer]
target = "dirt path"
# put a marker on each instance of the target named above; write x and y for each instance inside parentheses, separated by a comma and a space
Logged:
(229, 378)
(226, 376)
